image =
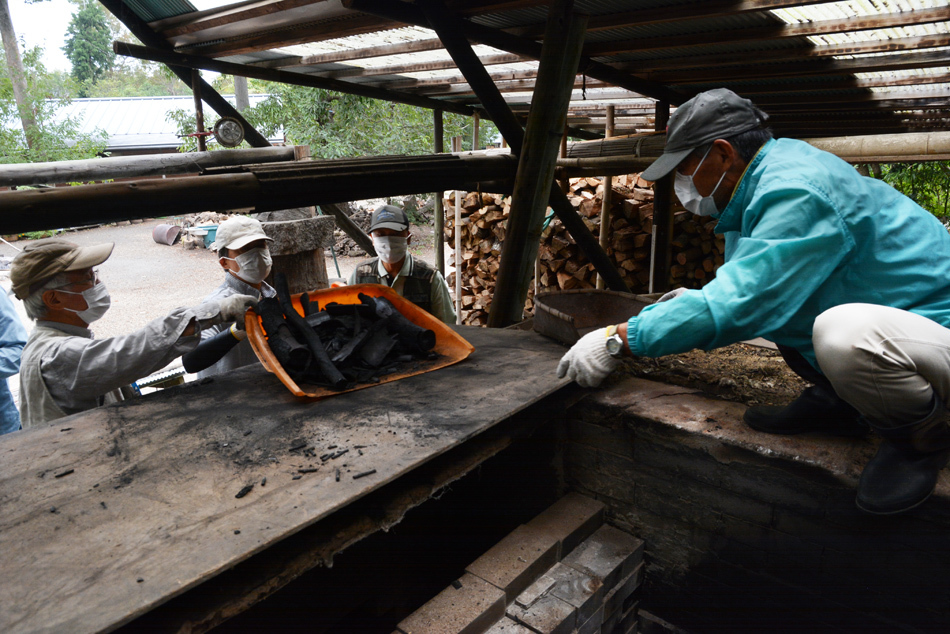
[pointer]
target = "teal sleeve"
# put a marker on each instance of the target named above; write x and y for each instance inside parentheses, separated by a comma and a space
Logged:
(791, 239)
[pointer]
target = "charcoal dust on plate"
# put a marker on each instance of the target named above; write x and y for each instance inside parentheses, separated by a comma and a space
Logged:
(340, 345)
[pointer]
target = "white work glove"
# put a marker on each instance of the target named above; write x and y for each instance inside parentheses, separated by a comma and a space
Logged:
(588, 361)
(676, 292)
(233, 308)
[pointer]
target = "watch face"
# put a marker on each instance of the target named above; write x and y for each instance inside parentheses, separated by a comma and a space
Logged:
(614, 345)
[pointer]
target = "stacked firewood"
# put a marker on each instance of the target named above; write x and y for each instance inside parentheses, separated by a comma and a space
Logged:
(697, 251)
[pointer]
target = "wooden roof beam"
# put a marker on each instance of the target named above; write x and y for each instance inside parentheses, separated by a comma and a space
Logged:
(787, 54)
(820, 27)
(876, 63)
(297, 79)
(847, 82)
(501, 40)
(403, 69)
(418, 46)
(663, 15)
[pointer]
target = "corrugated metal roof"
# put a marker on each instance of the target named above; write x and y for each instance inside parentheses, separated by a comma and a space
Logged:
(136, 122)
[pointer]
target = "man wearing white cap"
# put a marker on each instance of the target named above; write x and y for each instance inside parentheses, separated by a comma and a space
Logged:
(63, 369)
(242, 250)
(848, 276)
(395, 267)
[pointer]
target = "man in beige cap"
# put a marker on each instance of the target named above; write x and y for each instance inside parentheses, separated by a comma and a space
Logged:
(243, 254)
(63, 369)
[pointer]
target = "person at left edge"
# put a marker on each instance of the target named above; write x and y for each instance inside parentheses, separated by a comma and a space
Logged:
(12, 340)
(63, 369)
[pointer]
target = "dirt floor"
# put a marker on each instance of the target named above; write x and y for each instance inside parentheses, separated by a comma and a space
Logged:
(741, 372)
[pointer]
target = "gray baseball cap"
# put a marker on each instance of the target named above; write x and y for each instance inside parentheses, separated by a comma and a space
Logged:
(389, 217)
(714, 114)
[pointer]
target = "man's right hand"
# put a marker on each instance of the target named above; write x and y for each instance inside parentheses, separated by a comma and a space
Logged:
(232, 308)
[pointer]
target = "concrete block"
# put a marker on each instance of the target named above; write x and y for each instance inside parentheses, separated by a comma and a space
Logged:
(517, 560)
(300, 236)
(593, 624)
(508, 626)
(614, 600)
(609, 555)
(470, 609)
(571, 520)
(548, 615)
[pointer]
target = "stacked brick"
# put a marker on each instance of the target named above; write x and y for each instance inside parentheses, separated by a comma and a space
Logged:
(562, 573)
(697, 251)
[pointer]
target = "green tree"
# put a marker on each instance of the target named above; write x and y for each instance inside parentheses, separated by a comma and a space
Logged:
(89, 45)
(54, 137)
(928, 184)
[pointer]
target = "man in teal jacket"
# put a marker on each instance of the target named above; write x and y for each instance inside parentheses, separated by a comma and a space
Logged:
(848, 276)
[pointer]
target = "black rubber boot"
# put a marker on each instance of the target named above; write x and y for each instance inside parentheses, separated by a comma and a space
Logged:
(903, 473)
(818, 409)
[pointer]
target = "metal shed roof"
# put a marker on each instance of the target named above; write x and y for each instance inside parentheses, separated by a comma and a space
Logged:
(819, 68)
(137, 125)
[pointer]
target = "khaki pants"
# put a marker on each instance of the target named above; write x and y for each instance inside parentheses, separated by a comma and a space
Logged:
(891, 365)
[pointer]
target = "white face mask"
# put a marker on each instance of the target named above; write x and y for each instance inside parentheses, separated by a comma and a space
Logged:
(97, 302)
(690, 197)
(391, 249)
(253, 265)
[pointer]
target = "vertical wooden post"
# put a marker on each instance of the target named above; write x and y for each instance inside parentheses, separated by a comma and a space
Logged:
(457, 147)
(565, 184)
(607, 199)
(447, 26)
(661, 253)
(475, 121)
(560, 55)
(199, 111)
(437, 133)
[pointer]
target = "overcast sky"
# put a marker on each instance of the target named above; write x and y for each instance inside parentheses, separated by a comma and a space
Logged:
(43, 24)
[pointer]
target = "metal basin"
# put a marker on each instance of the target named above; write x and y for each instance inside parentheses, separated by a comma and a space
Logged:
(569, 315)
(166, 234)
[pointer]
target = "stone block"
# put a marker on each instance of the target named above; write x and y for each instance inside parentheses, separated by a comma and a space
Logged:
(508, 626)
(593, 624)
(517, 560)
(570, 520)
(614, 599)
(584, 592)
(469, 609)
(609, 555)
(300, 236)
(547, 615)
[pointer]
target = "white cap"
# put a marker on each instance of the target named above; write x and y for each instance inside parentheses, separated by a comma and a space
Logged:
(238, 231)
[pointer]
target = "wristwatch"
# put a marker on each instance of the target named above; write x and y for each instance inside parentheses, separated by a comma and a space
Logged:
(614, 343)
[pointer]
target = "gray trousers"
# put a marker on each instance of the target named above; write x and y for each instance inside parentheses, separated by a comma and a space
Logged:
(891, 365)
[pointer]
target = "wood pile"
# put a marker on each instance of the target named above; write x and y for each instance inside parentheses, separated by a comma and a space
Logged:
(697, 251)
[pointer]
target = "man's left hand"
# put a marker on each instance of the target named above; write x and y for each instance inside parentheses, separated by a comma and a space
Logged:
(588, 361)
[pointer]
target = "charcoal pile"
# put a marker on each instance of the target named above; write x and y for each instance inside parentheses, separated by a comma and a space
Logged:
(339, 345)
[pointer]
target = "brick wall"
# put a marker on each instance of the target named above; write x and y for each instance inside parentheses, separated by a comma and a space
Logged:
(751, 532)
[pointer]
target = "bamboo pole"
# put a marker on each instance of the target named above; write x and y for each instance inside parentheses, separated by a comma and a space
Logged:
(439, 208)
(267, 188)
(606, 200)
(100, 169)
(662, 248)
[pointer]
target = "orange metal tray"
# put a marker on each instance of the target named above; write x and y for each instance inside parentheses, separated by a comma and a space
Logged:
(449, 345)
